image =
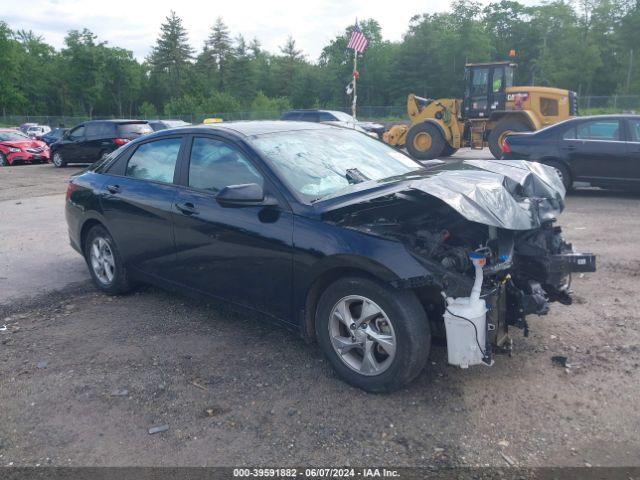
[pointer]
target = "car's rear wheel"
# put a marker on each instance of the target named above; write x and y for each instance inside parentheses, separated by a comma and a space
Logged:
(3, 160)
(105, 264)
(58, 160)
(376, 338)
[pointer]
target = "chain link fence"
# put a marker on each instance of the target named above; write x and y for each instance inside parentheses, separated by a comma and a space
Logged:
(590, 105)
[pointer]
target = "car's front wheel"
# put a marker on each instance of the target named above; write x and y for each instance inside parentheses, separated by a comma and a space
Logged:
(3, 160)
(563, 173)
(376, 338)
(105, 264)
(58, 160)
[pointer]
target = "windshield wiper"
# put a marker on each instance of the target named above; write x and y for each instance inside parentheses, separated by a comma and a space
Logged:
(355, 176)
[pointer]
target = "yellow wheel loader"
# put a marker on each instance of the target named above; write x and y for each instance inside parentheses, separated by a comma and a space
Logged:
(492, 108)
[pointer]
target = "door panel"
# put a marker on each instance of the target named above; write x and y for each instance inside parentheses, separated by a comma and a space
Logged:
(596, 150)
(72, 149)
(98, 139)
(477, 97)
(138, 206)
(242, 255)
(633, 152)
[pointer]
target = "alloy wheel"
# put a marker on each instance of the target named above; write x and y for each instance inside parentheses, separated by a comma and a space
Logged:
(362, 335)
(57, 159)
(103, 262)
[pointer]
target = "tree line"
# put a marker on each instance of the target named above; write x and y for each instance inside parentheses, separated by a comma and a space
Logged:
(589, 46)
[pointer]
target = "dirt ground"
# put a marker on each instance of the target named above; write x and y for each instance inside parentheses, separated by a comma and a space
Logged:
(83, 377)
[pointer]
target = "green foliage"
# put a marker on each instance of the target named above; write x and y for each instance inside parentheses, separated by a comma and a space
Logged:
(214, 104)
(590, 46)
(265, 107)
(11, 96)
(148, 110)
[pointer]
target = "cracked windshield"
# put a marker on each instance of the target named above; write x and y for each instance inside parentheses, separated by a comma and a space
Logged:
(318, 163)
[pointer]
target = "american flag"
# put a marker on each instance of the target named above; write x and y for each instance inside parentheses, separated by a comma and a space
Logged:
(358, 41)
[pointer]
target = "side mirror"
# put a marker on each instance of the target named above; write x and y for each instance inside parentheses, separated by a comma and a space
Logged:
(248, 195)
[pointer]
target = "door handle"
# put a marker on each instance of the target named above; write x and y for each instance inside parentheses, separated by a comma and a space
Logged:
(569, 147)
(113, 188)
(187, 208)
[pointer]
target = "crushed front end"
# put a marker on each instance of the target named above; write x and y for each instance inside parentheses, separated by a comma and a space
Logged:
(503, 212)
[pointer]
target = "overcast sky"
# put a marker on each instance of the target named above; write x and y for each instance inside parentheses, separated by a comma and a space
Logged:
(134, 24)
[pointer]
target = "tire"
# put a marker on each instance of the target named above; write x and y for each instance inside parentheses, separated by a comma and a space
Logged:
(448, 150)
(58, 160)
(425, 141)
(108, 272)
(562, 171)
(401, 318)
(501, 130)
(3, 160)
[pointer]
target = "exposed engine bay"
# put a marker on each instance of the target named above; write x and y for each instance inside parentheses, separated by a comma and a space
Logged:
(524, 268)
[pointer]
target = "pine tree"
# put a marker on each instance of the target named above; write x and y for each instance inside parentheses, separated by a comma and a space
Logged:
(218, 51)
(290, 51)
(242, 73)
(172, 53)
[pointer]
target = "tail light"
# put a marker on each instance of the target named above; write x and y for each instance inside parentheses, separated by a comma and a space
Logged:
(71, 187)
(121, 141)
(505, 146)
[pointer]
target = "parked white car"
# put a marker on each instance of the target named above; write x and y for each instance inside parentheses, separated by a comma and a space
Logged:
(37, 131)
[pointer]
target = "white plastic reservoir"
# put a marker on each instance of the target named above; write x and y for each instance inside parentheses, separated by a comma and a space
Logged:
(459, 319)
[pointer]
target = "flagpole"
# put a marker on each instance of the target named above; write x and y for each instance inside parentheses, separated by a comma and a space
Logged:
(355, 95)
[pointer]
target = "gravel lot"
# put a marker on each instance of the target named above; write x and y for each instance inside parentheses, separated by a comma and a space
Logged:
(84, 376)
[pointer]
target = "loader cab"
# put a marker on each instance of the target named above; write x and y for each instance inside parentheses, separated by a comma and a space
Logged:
(485, 85)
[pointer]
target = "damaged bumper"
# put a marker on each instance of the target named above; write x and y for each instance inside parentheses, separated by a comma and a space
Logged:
(504, 211)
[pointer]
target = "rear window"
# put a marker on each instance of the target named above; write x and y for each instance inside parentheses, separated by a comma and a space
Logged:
(99, 130)
(549, 107)
(133, 130)
(290, 116)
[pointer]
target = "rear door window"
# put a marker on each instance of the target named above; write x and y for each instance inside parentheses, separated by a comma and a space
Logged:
(309, 116)
(604, 130)
(215, 164)
(291, 116)
(133, 130)
(100, 130)
(155, 160)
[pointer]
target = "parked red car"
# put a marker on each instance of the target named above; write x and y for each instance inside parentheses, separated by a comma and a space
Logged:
(17, 147)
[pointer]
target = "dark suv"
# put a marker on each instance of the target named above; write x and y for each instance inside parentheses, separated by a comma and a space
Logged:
(334, 117)
(92, 140)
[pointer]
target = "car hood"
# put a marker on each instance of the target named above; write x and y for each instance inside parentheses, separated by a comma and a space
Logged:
(23, 143)
(514, 194)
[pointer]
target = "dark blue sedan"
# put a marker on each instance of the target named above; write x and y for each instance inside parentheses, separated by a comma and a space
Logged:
(601, 150)
(329, 232)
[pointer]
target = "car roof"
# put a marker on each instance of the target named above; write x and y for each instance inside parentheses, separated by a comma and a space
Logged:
(311, 110)
(607, 116)
(257, 127)
(111, 120)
